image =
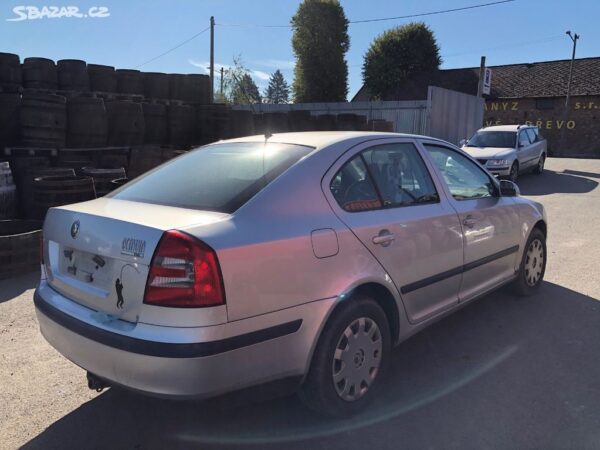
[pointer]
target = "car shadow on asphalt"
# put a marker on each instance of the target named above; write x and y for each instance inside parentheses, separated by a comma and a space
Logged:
(15, 286)
(503, 372)
(551, 182)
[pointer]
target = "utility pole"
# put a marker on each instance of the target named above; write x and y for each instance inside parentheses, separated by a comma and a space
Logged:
(574, 37)
(212, 58)
(481, 75)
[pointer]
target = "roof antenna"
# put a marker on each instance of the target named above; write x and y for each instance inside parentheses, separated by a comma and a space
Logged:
(268, 134)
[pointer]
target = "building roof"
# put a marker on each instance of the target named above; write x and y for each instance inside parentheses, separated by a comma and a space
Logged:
(538, 79)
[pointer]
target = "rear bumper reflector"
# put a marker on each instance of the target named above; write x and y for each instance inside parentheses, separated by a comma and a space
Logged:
(162, 349)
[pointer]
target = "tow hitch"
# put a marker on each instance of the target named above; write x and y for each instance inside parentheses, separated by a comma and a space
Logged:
(95, 383)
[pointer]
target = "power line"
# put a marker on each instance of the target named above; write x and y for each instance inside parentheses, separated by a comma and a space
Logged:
(381, 19)
(173, 48)
(491, 49)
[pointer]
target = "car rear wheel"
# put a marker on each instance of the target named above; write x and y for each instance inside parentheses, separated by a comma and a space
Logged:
(540, 165)
(533, 264)
(514, 172)
(349, 359)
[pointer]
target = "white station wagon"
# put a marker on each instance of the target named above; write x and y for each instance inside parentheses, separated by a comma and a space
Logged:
(508, 150)
(300, 256)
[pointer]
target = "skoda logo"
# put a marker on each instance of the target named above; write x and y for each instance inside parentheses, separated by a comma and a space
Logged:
(75, 229)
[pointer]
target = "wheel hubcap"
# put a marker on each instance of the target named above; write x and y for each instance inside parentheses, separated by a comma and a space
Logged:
(357, 358)
(534, 262)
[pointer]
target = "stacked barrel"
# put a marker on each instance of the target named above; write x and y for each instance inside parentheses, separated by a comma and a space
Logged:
(72, 131)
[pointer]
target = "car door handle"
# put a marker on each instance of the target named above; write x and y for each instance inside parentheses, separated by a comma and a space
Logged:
(469, 222)
(383, 239)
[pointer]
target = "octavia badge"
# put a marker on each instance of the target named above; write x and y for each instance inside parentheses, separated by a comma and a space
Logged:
(75, 229)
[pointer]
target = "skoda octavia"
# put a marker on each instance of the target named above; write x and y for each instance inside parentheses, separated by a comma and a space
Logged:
(302, 257)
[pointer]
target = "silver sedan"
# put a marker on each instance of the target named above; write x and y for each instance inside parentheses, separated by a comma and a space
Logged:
(301, 257)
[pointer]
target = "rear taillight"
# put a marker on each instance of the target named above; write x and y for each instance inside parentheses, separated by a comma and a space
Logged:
(184, 273)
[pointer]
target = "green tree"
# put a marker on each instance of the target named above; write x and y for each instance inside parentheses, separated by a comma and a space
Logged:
(239, 86)
(278, 90)
(398, 55)
(246, 91)
(320, 42)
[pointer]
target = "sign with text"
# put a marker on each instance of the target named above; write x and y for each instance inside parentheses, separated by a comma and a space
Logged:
(487, 81)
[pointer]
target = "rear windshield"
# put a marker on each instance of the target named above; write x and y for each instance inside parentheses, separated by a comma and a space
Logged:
(501, 139)
(220, 177)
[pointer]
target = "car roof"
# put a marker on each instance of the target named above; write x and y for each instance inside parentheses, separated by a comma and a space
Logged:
(320, 139)
(506, 128)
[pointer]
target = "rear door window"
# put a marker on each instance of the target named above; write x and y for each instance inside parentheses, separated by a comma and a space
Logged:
(353, 189)
(220, 177)
(400, 175)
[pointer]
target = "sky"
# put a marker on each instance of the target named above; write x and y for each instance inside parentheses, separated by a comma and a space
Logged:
(130, 33)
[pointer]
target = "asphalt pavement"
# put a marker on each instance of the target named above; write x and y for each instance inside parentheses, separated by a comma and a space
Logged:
(503, 373)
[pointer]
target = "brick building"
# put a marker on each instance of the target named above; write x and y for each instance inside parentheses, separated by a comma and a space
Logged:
(528, 93)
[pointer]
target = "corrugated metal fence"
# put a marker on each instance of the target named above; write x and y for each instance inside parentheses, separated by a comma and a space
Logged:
(446, 114)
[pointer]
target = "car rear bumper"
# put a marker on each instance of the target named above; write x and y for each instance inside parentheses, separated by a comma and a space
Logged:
(191, 362)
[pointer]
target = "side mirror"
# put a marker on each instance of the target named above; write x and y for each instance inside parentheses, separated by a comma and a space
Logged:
(509, 189)
(463, 142)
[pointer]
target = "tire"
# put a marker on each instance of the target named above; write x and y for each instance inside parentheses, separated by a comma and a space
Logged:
(539, 168)
(320, 392)
(532, 268)
(514, 172)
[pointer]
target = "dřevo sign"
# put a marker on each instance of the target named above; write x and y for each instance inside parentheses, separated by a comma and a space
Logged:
(541, 123)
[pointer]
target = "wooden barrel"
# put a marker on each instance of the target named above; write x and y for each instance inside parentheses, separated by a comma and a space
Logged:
(181, 119)
(8, 192)
(102, 78)
(19, 166)
(39, 73)
(130, 81)
(19, 247)
(60, 190)
(118, 183)
(43, 120)
(276, 122)
(10, 73)
(87, 122)
(380, 125)
(258, 120)
(144, 158)
(73, 75)
(299, 120)
(156, 128)
(112, 157)
(242, 123)
(156, 85)
(197, 88)
(177, 86)
(10, 109)
(125, 123)
(26, 204)
(213, 123)
(103, 178)
(351, 122)
(326, 122)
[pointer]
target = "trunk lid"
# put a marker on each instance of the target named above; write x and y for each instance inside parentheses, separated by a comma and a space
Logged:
(98, 253)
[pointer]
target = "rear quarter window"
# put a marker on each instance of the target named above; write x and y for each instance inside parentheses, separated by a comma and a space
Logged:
(220, 177)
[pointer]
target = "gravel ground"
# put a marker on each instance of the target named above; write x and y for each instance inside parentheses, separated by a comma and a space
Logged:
(501, 373)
